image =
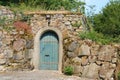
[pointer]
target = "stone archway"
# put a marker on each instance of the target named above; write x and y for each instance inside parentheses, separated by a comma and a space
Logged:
(36, 57)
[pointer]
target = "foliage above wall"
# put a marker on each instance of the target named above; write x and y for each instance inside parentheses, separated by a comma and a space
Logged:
(71, 5)
(99, 37)
(108, 22)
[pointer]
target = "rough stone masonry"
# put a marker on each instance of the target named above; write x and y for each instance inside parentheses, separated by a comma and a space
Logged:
(89, 59)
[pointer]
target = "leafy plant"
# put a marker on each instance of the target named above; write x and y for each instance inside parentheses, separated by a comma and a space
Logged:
(43, 4)
(118, 75)
(108, 21)
(19, 25)
(97, 37)
(68, 70)
(23, 26)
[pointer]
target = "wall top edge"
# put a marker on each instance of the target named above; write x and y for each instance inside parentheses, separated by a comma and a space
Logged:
(53, 12)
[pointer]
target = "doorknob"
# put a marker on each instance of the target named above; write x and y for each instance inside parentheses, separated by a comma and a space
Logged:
(47, 55)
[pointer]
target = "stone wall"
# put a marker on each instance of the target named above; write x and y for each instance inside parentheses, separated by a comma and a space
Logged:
(88, 59)
(15, 48)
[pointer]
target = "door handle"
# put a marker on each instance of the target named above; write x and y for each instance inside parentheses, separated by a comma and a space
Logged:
(47, 55)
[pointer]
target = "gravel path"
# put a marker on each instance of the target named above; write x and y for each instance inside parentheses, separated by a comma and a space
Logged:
(37, 75)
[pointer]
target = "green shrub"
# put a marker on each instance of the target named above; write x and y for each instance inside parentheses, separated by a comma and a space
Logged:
(68, 70)
(97, 37)
(118, 76)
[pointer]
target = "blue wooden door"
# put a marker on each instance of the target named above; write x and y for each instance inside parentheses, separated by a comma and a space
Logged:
(49, 51)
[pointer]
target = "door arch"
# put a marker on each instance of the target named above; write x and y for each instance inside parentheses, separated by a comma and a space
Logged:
(49, 50)
(36, 53)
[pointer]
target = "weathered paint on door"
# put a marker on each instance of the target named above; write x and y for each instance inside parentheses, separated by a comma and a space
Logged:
(49, 51)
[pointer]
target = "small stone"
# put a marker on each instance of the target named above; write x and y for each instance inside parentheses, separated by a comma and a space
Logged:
(1, 33)
(92, 59)
(114, 60)
(77, 60)
(84, 61)
(67, 62)
(112, 66)
(1, 68)
(71, 54)
(2, 61)
(67, 23)
(2, 56)
(65, 33)
(99, 63)
(21, 32)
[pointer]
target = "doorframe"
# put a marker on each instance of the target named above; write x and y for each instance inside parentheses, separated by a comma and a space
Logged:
(36, 53)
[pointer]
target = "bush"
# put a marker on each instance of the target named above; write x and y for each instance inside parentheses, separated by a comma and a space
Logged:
(108, 21)
(97, 37)
(118, 76)
(68, 70)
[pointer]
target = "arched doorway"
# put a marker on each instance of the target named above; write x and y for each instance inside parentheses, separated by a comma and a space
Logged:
(49, 51)
(57, 35)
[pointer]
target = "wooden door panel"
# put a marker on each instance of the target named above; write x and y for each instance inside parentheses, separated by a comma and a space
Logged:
(49, 52)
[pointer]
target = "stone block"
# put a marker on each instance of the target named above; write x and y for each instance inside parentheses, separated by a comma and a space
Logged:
(28, 53)
(65, 33)
(84, 50)
(114, 60)
(6, 41)
(73, 46)
(78, 69)
(91, 71)
(85, 71)
(2, 56)
(112, 66)
(106, 71)
(9, 53)
(18, 56)
(19, 44)
(1, 33)
(67, 62)
(104, 56)
(29, 44)
(71, 54)
(106, 53)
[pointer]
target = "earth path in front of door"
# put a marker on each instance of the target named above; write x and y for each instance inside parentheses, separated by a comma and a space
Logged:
(37, 75)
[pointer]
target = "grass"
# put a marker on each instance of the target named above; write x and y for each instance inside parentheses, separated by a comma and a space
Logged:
(24, 8)
(99, 38)
(68, 70)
